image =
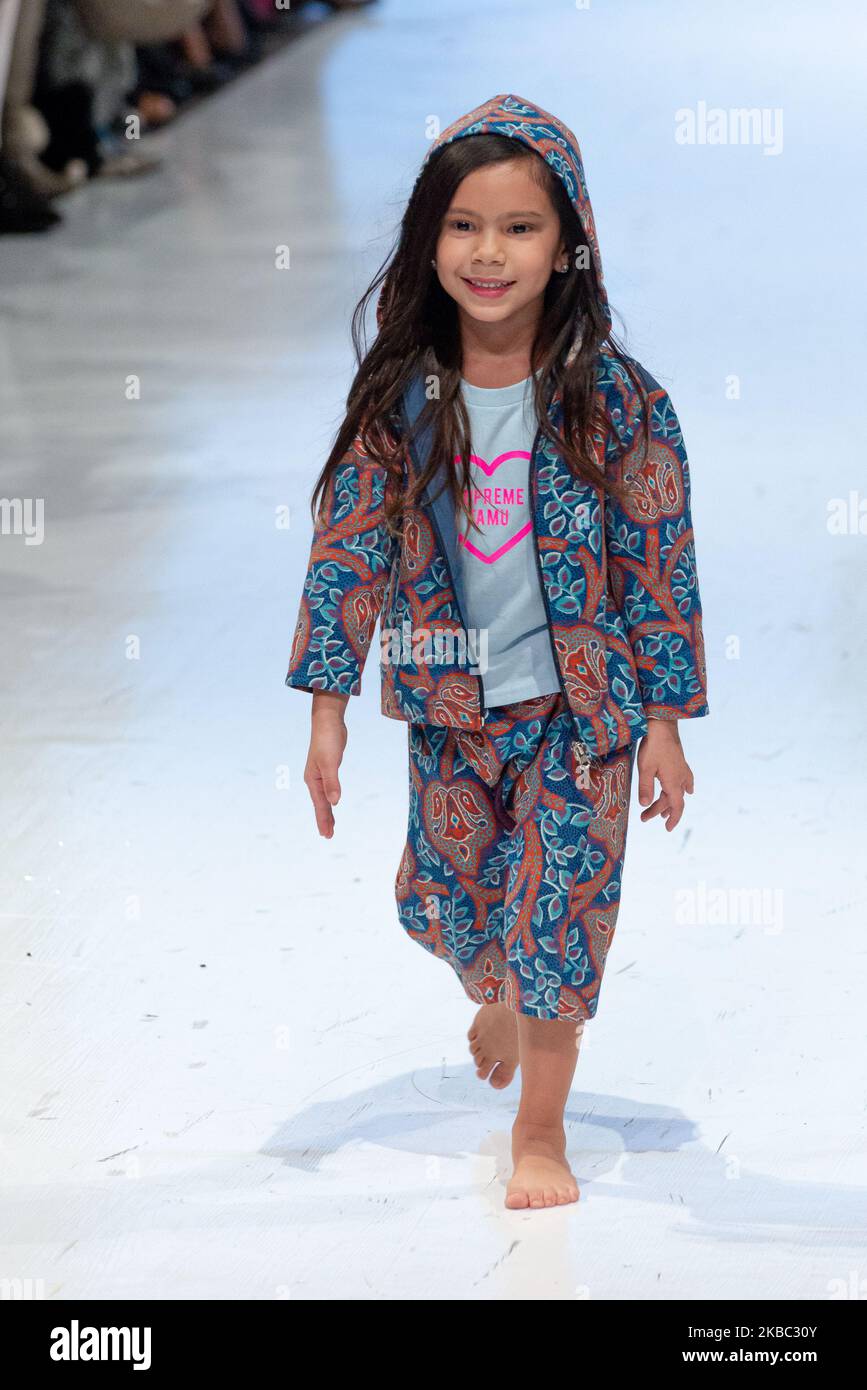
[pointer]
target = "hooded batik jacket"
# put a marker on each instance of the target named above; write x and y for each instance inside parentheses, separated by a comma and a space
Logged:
(619, 582)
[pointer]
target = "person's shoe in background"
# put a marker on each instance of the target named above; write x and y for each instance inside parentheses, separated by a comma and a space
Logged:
(119, 158)
(22, 209)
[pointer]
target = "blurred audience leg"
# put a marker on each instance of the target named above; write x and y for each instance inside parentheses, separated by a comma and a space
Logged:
(25, 182)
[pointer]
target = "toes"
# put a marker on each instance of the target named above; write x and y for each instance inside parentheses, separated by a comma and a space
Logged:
(517, 1199)
(502, 1075)
(540, 1197)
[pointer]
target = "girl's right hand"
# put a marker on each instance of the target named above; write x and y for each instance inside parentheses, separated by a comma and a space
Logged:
(328, 735)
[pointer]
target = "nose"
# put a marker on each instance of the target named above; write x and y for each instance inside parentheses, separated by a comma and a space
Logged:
(487, 249)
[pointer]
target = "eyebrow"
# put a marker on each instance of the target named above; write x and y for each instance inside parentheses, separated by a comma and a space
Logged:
(520, 213)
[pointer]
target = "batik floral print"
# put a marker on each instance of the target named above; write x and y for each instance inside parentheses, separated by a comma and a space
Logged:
(350, 560)
(512, 867)
(619, 582)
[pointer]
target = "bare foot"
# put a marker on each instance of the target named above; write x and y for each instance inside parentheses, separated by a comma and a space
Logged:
(493, 1036)
(542, 1177)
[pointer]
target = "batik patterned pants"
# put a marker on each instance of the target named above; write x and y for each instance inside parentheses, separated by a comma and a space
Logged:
(512, 866)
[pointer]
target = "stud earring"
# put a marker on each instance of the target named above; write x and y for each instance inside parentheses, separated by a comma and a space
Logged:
(433, 262)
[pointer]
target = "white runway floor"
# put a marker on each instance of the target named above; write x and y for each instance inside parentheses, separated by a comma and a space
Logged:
(226, 1071)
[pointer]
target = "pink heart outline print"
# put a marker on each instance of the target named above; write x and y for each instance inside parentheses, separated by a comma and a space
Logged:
(488, 469)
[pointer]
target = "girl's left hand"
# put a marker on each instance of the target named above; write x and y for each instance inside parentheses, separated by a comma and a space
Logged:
(661, 756)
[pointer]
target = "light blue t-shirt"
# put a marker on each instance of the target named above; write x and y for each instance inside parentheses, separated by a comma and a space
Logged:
(498, 561)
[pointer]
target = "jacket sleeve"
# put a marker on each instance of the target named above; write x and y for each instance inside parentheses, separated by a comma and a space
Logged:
(651, 558)
(350, 560)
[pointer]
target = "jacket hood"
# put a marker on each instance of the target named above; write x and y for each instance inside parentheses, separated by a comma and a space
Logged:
(519, 119)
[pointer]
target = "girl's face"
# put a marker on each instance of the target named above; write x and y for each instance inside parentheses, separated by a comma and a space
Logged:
(500, 227)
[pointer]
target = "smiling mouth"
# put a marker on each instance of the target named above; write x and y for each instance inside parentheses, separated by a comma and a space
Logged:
(480, 286)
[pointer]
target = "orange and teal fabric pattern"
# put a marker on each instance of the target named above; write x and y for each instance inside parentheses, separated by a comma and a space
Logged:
(513, 862)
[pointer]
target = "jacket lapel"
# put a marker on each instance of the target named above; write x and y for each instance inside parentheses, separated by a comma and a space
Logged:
(438, 508)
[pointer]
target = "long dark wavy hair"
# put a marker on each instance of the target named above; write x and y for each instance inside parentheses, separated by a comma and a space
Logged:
(419, 331)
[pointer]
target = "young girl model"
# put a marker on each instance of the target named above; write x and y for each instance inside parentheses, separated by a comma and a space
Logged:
(509, 494)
